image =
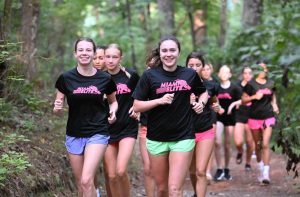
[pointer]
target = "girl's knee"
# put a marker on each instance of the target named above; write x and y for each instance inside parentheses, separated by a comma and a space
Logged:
(174, 190)
(201, 174)
(147, 172)
(121, 173)
(87, 182)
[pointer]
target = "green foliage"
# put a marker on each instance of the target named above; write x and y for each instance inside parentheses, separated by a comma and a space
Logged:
(11, 162)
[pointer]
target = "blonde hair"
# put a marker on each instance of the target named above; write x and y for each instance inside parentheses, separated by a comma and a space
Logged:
(116, 46)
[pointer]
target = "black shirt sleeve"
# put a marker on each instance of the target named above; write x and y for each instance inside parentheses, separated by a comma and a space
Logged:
(60, 84)
(249, 89)
(133, 80)
(111, 87)
(142, 89)
(198, 87)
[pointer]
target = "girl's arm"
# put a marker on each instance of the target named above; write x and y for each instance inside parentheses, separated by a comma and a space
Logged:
(142, 106)
(233, 105)
(274, 104)
(113, 107)
(202, 101)
(246, 98)
(59, 103)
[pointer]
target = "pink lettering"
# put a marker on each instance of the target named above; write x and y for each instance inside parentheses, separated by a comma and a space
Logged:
(174, 86)
(224, 96)
(87, 90)
(265, 91)
(122, 88)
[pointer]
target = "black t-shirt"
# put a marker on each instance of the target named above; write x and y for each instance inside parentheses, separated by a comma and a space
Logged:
(144, 119)
(87, 110)
(125, 126)
(204, 121)
(243, 110)
(228, 96)
(261, 109)
(171, 122)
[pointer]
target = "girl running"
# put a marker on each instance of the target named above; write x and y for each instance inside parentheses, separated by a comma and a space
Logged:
(241, 125)
(148, 178)
(123, 132)
(164, 91)
(227, 93)
(260, 92)
(88, 121)
(204, 131)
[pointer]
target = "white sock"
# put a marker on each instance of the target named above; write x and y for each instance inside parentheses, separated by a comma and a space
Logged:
(266, 171)
(260, 165)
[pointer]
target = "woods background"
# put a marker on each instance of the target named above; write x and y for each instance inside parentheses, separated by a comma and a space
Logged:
(36, 45)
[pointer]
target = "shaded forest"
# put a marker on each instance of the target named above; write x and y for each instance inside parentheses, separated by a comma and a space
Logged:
(36, 45)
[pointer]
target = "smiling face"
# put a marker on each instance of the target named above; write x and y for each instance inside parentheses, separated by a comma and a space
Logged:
(195, 64)
(224, 73)
(112, 58)
(169, 53)
(99, 59)
(84, 52)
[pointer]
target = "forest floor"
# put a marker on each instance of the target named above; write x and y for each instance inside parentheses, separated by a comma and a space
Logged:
(50, 174)
(243, 184)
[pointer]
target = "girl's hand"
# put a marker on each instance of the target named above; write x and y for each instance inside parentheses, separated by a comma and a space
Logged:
(112, 117)
(198, 107)
(58, 107)
(166, 99)
(133, 114)
(258, 95)
(275, 108)
(192, 98)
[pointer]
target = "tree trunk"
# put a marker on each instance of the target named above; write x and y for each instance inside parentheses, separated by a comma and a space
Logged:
(223, 24)
(30, 19)
(133, 57)
(4, 32)
(199, 27)
(252, 13)
(166, 13)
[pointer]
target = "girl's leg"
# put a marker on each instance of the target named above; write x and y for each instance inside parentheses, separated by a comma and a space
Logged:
(227, 144)
(218, 142)
(108, 192)
(266, 154)
(250, 144)
(266, 145)
(76, 162)
(148, 178)
(92, 155)
(110, 163)
(257, 137)
(238, 140)
(179, 163)
(126, 146)
(203, 154)
(192, 169)
(160, 172)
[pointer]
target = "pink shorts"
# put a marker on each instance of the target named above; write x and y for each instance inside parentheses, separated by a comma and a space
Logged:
(261, 124)
(143, 131)
(206, 135)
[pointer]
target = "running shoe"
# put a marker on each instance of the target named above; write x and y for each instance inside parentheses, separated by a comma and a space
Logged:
(219, 175)
(239, 158)
(248, 167)
(266, 178)
(227, 175)
(98, 192)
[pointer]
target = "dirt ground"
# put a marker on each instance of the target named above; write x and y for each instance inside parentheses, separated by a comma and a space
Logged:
(243, 184)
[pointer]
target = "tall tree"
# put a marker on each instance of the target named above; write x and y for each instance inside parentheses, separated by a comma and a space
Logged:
(252, 13)
(133, 57)
(4, 31)
(166, 13)
(29, 29)
(223, 23)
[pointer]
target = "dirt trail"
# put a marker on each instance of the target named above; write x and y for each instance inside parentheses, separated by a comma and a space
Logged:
(243, 184)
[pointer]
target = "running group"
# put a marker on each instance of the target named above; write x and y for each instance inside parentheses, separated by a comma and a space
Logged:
(181, 115)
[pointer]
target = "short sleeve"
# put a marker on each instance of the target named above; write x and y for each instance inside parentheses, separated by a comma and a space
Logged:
(111, 87)
(238, 92)
(61, 85)
(248, 89)
(197, 85)
(142, 88)
(133, 80)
